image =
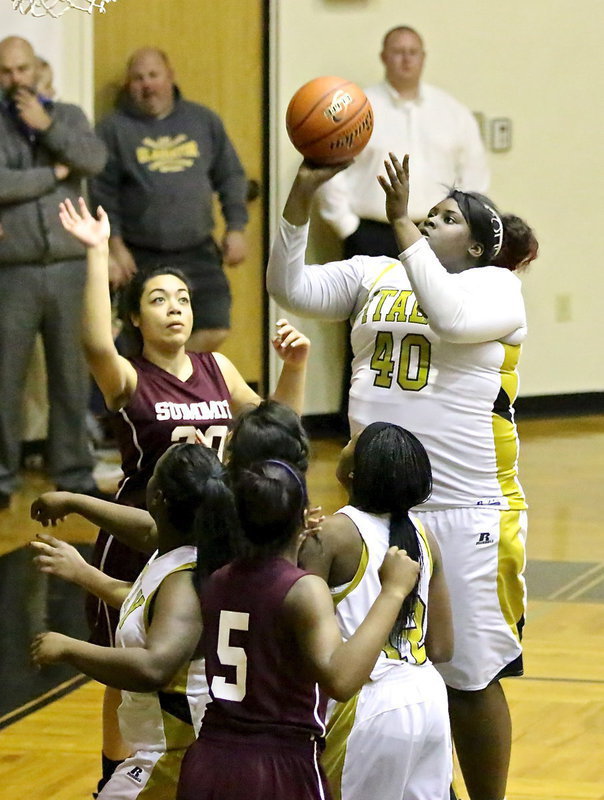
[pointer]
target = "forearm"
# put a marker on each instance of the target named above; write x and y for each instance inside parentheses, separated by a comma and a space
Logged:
(133, 669)
(97, 336)
(20, 185)
(132, 526)
(108, 589)
(291, 387)
(352, 662)
(73, 143)
(406, 233)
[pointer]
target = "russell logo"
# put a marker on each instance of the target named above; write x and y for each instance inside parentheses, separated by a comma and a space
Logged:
(338, 107)
(135, 773)
(484, 538)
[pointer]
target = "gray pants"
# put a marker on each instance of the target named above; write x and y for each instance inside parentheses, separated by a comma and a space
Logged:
(47, 299)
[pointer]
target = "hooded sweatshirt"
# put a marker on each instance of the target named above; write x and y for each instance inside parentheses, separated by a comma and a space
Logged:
(158, 185)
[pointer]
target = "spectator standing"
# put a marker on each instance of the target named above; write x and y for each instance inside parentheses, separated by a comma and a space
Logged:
(440, 134)
(167, 159)
(46, 149)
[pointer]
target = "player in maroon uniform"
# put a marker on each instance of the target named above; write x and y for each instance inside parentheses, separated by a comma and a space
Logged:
(163, 396)
(270, 642)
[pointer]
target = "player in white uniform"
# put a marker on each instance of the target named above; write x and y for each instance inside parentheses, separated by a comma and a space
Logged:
(392, 740)
(164, 692)
(436, 339)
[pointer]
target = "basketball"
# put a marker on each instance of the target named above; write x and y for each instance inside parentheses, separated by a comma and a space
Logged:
(329, 120)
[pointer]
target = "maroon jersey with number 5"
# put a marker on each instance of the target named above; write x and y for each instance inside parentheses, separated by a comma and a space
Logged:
(252, 658)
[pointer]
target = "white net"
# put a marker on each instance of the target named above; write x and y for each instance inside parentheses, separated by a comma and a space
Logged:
(55, 8)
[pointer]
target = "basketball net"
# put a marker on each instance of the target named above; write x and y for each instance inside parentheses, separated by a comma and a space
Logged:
(56, 8)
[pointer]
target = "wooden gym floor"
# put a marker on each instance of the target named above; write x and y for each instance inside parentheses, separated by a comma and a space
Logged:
(50, 737)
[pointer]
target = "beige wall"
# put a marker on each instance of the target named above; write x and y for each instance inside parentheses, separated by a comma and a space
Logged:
(539, 63)
(65, 43)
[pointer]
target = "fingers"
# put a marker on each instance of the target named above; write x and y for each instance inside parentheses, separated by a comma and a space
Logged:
(288, 336)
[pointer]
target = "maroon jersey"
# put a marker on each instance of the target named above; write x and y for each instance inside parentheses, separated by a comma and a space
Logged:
(252, 659)
(164, 410)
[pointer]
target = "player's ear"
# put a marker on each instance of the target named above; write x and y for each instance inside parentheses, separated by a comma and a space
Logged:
(135, 319)
(476, 249)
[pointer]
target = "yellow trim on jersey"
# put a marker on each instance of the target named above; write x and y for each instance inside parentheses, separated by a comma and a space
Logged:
(375, 283)
(338, 596)
(419, 526)
(190, 565)
(163, 780)
(339, 728)
(505, 435)
(137, 602)
(511, 556)
(178, 734)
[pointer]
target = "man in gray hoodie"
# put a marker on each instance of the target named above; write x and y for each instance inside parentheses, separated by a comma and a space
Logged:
(46, 149)
(167, 158)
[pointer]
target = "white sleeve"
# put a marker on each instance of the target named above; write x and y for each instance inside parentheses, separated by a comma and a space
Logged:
(328, 291)
(483, 304)
(473, 174)
(333, 200)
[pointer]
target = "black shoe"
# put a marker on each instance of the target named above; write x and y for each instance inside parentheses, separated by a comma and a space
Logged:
(4, 500)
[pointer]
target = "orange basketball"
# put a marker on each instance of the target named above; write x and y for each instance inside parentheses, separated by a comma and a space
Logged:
(329, 120)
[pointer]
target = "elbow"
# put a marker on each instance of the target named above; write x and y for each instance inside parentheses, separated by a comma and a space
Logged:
(153, 677)
(441, 651)
(342, 689)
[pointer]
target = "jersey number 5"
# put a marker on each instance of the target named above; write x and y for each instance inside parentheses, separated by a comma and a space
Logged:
(231, 656)
(413, 361)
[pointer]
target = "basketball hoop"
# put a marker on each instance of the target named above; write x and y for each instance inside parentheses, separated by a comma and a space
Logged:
(56, 8)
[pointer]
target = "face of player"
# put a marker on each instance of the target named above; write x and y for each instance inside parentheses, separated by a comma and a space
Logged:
(403, 57)
(449, 236)
(151, 84)
(166, 316)
(17, 67)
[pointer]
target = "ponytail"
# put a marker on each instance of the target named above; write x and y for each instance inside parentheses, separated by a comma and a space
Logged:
(392, 474)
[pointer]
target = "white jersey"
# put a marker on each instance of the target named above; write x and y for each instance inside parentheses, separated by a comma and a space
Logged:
(353, 600)
(170, 718)
(433, 352)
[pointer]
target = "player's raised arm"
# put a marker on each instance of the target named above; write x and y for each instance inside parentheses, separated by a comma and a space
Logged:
(114, 375)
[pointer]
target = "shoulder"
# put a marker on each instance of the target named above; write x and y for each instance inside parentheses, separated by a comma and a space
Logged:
(372, 269)
(198, 111)
(305, 594)
(437, 96)
(68, 110)
(490, 276)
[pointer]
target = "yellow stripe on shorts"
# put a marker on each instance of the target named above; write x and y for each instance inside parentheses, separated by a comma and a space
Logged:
(511, 559)
(336, 741)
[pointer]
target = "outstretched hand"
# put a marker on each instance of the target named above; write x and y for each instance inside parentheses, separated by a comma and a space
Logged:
(48, 648)
(92, 231)
(56, 557)
(290, 344)
(50, 508)
(396, 187)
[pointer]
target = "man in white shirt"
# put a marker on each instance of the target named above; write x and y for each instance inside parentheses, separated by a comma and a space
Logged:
(440, 134)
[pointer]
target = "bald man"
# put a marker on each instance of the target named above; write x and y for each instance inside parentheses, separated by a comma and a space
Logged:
(46, 149)
(167, 159)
